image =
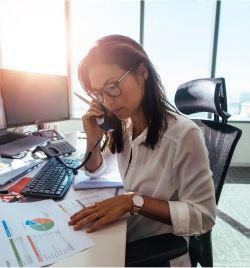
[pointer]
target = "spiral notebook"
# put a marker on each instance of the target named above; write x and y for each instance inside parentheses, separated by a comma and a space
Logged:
(84, 182)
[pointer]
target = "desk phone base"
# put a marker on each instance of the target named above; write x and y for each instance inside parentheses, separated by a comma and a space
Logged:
(57, 146)
(52, 181)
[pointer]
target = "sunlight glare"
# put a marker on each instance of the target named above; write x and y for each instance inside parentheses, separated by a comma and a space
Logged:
(33, 36)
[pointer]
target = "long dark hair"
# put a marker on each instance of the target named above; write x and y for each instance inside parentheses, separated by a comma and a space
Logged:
(125, 52)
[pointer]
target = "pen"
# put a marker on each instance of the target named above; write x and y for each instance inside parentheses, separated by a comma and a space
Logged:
(15, 199)
(5, 192)
(83, 99)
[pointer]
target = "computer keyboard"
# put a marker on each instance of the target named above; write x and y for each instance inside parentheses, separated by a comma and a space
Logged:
(9, 137)
(52, 181)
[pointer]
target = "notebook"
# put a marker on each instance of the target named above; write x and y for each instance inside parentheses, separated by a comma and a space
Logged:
(82, 181)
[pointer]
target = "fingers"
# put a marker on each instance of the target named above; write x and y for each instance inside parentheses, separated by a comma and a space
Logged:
(105, 210)
(87, 215)
(95, 106)
(92, 130)
(80, 215)
(94, 109)
(80, 211)
(93, 112)
(84, 222)
(97, 224)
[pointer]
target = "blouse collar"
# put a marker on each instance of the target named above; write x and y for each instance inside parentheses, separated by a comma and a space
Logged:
(141, 138)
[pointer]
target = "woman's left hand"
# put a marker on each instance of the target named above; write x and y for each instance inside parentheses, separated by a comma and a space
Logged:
(104, 212)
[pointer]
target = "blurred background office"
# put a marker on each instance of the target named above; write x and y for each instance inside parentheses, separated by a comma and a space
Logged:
(185, 40)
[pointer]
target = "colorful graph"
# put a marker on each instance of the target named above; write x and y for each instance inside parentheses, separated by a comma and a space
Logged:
(40, 224)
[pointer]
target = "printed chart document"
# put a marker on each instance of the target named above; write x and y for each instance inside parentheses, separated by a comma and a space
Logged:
(37, 234)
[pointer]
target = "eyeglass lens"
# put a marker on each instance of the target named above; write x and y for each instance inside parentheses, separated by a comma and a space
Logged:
(111, 90)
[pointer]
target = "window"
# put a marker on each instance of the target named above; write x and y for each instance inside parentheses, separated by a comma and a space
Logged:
(33, 36)
(233, 56)
(91, 20)
(178, 40)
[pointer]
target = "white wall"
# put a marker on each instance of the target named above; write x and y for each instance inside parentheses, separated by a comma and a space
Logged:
(241, 155)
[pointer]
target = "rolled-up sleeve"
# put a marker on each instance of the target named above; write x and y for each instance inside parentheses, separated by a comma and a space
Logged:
(109, 164)
(194, 213)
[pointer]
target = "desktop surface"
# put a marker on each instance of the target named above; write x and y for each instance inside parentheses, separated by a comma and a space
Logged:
(110, 240)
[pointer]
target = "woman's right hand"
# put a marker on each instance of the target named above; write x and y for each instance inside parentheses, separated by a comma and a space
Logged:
(90, 126)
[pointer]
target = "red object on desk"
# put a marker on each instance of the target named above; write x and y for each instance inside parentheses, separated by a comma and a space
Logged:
(16, 189)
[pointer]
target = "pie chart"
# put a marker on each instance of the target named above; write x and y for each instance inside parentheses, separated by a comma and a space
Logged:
(40, 224)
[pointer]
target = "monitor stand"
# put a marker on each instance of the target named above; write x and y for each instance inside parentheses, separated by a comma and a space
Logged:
(41, 126)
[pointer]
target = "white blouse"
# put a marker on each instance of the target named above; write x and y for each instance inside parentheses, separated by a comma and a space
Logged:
(177, 171)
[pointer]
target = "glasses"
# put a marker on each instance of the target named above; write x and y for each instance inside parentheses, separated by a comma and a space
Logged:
(111, 89)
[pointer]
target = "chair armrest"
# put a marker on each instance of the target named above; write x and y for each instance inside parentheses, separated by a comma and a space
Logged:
(155, 250)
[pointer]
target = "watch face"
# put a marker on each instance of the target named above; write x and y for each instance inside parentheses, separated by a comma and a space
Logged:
(138, 200)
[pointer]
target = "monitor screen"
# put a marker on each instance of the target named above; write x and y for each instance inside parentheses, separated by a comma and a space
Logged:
(34, 98)
(2, 117)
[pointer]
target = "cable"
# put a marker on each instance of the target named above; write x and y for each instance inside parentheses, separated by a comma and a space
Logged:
(85, 161)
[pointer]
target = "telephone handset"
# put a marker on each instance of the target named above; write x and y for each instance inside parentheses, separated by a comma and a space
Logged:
(57, 146)
(105, 122)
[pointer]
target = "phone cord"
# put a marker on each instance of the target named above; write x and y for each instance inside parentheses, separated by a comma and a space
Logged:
(75, 172)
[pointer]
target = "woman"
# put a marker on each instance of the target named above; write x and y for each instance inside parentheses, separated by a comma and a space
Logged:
(161, 155)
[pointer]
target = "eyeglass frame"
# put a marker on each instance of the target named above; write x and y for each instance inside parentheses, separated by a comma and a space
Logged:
(102, 90)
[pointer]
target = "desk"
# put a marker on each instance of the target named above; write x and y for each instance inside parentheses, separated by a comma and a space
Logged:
(110, 242)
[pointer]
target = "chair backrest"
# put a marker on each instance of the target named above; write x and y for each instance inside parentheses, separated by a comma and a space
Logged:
(209, 95)
(203, 95)
(221, 140)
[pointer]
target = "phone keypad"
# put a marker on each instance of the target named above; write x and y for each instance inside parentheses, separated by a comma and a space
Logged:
(64, 146)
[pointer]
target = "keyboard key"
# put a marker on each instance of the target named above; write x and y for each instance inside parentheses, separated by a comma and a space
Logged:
(65, 181)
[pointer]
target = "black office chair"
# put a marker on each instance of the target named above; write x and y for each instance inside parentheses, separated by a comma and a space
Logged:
(201, 95)
(209, 95)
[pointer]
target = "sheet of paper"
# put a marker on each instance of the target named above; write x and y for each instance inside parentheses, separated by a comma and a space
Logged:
(79, 193)
(37, 234)
(74, 204)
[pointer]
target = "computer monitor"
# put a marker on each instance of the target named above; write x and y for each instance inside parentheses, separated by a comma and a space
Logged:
(2, 116)
(34, 98)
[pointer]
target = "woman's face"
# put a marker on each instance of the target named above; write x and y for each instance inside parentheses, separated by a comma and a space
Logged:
(129, 103)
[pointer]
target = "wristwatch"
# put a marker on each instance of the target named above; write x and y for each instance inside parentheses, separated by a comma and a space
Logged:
(138, 201)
